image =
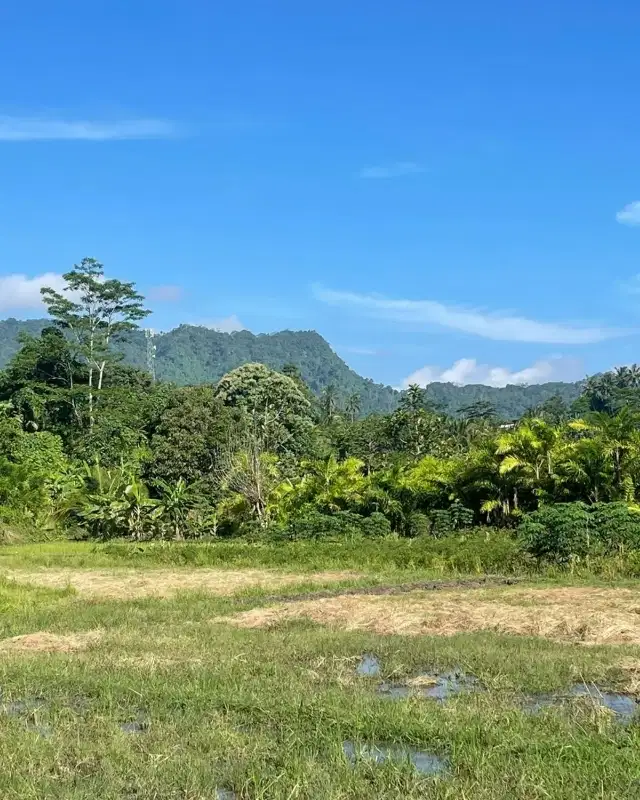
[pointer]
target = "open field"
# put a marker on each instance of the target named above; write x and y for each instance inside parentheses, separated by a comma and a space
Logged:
(150, 680)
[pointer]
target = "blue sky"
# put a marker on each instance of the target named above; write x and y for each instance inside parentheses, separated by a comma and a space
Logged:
(441, 190)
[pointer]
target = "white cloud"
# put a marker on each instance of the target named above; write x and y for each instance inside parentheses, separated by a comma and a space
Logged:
(167, 293)
(500, 326)
(467, 370)
(20, 292)
(27, 129)
(395, 170)
(630, 214)
(229, 324)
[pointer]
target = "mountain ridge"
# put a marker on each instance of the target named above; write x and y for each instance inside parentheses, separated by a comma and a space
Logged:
(192, 354)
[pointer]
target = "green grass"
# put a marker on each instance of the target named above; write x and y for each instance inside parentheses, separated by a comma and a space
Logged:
(265, 712)
(475, 553)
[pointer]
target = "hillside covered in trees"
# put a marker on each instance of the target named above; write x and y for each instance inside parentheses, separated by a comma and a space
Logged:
(192, 355)
(93, 447)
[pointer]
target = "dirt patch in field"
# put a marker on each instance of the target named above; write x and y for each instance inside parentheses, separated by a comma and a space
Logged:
(582, 615)
(45, 642)
(127, 584)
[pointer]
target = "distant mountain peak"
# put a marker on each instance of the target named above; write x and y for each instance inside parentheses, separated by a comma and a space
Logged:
(193, 354)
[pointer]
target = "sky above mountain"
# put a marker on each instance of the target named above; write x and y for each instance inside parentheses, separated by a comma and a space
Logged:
(444, 191)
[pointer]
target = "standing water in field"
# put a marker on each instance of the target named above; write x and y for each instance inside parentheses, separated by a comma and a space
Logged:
(624, 706)
(437, 686)
(369, 666)
(424, 763)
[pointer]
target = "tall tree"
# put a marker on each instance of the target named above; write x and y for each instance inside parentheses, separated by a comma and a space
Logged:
(94, 311)
(353, 406)
(413, 399)
(329, 402)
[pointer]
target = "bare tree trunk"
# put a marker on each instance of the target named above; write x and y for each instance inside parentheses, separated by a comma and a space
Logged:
(91, 419)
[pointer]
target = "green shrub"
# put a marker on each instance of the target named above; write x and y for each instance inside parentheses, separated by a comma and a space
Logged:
(566, 532)
(418, 524)
(316, 525)
(375, 525)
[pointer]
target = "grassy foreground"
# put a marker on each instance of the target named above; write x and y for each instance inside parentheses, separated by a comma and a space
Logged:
(207, 707)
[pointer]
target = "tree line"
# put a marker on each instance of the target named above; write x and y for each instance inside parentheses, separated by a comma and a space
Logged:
(92, 447)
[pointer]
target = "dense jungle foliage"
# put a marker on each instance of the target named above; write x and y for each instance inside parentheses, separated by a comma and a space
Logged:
(192, 355)
(94, 448)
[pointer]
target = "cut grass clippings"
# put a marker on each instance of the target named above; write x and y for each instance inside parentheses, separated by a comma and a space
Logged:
(127, 584)
(578, 614)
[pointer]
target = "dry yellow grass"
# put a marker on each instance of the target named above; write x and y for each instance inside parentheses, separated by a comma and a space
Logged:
(45, 642)
(584, 615)
(127, 584)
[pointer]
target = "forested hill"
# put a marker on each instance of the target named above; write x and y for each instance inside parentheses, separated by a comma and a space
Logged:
(193, 355)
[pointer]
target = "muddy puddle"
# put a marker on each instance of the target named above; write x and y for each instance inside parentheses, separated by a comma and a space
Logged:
(436, 686)
(423, 762)
(624, 706)
(225, 794)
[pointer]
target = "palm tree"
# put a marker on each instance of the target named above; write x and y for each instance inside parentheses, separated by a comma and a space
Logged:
(332, 485)
(353, 406)
(413, 399)
(329, 402)
(586, 467)
(528, 452)
(619, 436)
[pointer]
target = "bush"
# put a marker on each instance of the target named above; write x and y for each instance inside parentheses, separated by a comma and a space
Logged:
(566, 532)
(375, 525)
(314, 525)
(455, 518)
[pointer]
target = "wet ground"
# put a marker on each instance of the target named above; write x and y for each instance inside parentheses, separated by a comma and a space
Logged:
(425, 763)
(441, 686)
(624, 706)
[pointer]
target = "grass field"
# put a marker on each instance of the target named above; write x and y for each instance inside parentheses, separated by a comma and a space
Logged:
(135, 673)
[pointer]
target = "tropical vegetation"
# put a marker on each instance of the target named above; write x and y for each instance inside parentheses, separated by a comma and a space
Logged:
(92, 447)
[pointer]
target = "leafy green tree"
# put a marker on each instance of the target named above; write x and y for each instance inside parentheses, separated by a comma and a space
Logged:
(187, 437)
(44, 382)
(370, 439)
(271, 401)
(94, 311)
(479, 410)
(554, 411)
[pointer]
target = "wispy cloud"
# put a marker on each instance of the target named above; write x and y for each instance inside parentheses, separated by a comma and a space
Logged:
(500, 326)
(167, 293)
(468, 370)
(18, 292)
(229, 324)
(395, 170)
(630, 214)
(31, 129)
